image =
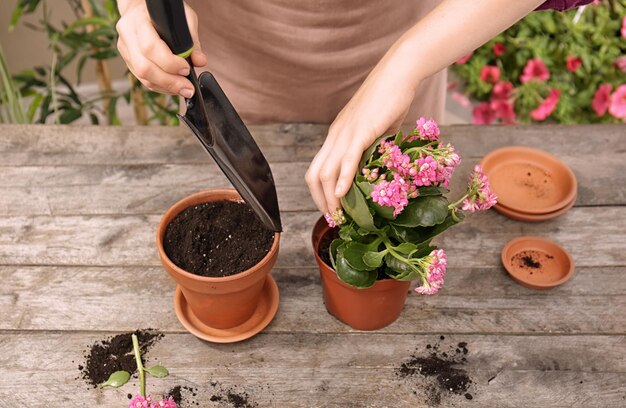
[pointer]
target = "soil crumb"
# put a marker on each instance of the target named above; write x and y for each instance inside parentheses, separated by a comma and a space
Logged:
(104, 357)
(217, 239)
(183, 396)
(443, 370)
(231, 397)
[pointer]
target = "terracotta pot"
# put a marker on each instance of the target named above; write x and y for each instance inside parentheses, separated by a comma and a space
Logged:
(362, 309)
(223, 302)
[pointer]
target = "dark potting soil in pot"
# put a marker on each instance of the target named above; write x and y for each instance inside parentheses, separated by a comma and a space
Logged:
(324, 253)
(106, 356)
(217, 239)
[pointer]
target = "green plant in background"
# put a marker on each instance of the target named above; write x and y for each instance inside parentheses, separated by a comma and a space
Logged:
(11, 103)
(567, 67)
(91, 36)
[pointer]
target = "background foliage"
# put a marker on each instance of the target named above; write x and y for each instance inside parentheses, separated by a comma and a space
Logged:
(592, 34)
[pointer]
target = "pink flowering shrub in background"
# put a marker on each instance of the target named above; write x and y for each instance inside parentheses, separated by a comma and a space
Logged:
(397, 205)
(551, 67)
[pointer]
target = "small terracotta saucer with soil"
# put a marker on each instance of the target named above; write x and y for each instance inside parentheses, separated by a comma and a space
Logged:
(262, 316)
(537, 263)
(515, 215)
(529, 180)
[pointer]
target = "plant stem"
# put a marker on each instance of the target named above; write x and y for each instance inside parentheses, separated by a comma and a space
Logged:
(142, 375)
(455, 204)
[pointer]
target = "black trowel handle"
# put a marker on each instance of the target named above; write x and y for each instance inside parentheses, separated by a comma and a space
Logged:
(169, 20)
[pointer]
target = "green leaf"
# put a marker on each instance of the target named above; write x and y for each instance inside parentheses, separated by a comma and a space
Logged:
(398, 139)
(432, 191)
(333, 249)
(406, 248)
(404, 234)
(70, 116)
(424, 211)
(347, 232)
(157, 371)
(374, 259)
(359, 279)
(356, 206)
(368, 152)
(353, 252)
(400, 270)
(117, 379)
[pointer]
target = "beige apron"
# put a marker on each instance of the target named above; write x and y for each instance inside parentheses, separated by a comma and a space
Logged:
(302, 60)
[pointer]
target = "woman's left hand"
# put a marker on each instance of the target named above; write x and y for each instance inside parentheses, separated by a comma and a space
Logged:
(378, 107)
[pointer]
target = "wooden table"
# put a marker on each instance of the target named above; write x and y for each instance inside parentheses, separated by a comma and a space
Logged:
(79, 208)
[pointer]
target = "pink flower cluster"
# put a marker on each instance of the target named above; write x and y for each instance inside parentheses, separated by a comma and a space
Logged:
(480, 197)
(615, 103)
(335, 219)
(425, 129)
(392, 193)
(139, 401)
(436, 264)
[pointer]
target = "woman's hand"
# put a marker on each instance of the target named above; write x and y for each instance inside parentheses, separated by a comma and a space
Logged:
(148, 57)
(378, 107)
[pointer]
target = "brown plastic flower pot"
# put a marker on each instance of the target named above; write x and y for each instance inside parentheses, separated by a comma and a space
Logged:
(217, 302)
(362, 309)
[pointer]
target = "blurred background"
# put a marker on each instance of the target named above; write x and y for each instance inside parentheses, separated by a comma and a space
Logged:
(59, 64)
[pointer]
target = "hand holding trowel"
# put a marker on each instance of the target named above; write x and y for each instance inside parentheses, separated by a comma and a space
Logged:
(214, 121)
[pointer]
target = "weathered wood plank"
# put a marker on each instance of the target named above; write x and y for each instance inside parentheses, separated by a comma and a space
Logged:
(481, 300)
(52, 145)
(591, 234)
(149, 189)
(313, 370)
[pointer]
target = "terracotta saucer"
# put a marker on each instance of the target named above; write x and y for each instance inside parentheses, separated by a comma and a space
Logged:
(262, 316)
(529, 180)
(537, 263)
(515, 215)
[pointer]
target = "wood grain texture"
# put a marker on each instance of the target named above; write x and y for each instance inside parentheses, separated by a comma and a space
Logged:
(481, 300)
(358, 370)
(79, 207)
(130, 239)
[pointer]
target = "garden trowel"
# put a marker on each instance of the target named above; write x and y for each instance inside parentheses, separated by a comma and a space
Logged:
(215, 122)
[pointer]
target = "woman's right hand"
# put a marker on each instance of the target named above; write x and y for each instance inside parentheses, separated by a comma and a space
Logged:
(148, 57)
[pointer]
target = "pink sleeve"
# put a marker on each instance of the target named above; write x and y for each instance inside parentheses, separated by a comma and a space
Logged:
(561, 5)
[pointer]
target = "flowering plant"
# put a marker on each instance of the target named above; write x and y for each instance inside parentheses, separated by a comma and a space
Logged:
(397, 205)
(567, 67)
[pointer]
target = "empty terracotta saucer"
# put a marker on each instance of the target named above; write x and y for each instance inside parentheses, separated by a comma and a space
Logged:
(519, 216)
(529, 180)
(537, 263)
(262, 316)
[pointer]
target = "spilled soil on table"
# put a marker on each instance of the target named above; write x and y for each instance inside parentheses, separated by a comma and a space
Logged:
(441, 368)
(217, 239)
(115, 353)
(215, 395)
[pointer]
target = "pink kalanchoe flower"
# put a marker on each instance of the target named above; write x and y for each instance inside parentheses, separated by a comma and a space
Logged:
(483, 114)
(335, 219)
(370, 175)
(546, 107)
(620, 63)
(164, 403)
(602, 99)
(573, 63)
(535, 69)
(490, 74)
(498, 49)
(427, 129)
(448, 161)
(464, 58)
(139, 401)
(393, 158)
(504, 110)
(424, 171)
(480, 197)
(618, 102)
(623, 31)
(435, 265)
(502, 90)
(392, 193)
